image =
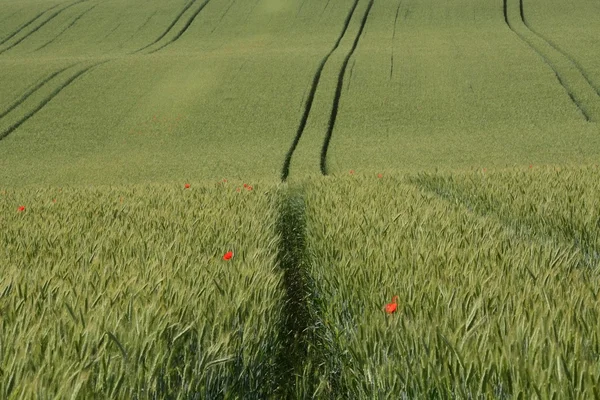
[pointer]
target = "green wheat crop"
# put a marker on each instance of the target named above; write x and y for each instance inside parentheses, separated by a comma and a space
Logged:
(123, 293)
(495, 299)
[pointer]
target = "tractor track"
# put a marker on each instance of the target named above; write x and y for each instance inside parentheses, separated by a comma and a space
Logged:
(311, 96)
(555, 47)
(25, 25)
(9, 16)
(543, 57)
(135, 32)
(177, 18)
(338, 91)
(524, 229)
(34, 30)
(325, 8)
(142, 26)
(68, 27)
(110, 32)
(394, 37)
(47, 99)
(223, 16)
(350, 74)
(185, 27)
(248, 14)
(300, 8)
(31, 91)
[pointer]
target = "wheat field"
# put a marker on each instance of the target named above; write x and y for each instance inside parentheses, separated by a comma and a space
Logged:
(222, 199)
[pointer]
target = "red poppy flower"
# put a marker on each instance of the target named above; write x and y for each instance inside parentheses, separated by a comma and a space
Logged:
(380, 176)
(245, 185)
(54, 200)
(351, 172)
(249, 187)
(530, 166)
(224, 180)
(237, 190)
(228, 255)
(187, 185)
(390, 308)
(21, 209)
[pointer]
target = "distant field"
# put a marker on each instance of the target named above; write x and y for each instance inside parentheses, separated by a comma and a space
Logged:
(156, 92)
(346, 151)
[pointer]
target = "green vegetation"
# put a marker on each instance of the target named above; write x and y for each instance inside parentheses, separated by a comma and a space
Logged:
(123, 293)
(222, 100)
(460, 141)
(221, 87)
(497, 278)
(567, 28)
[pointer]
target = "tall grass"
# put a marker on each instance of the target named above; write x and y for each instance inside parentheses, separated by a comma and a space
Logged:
(123, 293)
(483, 310)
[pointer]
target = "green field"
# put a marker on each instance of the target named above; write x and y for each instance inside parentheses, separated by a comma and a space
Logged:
(346, 152)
